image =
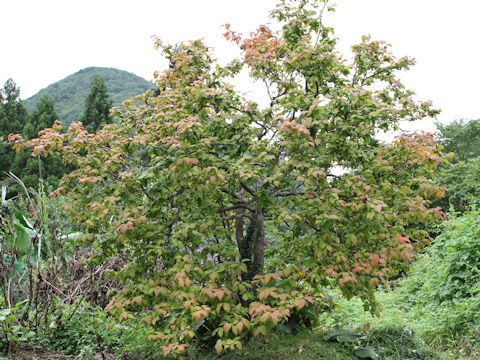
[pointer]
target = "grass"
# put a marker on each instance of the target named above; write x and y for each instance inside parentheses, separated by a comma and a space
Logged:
(304, 346)
(397, 334)
(420, 325)
(390, 343)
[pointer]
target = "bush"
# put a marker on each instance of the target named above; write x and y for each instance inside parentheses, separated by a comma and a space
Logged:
(445, 280)
(82, 330)
(463, 187)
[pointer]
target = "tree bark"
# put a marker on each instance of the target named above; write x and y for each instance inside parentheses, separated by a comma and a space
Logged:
(259, 241)
(251, 242)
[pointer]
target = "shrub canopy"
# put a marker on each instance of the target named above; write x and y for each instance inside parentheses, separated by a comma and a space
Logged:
(235, 217)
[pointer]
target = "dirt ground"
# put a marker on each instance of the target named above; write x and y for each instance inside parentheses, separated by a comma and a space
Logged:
(48, 355)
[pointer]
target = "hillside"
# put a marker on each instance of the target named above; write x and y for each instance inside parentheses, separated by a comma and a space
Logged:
(70, 93)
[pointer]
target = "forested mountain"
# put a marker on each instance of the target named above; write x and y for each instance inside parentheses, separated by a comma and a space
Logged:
(70, 93)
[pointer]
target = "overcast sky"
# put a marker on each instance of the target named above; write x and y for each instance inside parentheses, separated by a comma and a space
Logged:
(45, 41)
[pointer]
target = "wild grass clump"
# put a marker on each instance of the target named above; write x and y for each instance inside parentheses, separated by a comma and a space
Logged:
(443, 286)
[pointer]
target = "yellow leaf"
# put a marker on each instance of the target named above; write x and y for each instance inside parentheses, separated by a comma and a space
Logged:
(218, 346)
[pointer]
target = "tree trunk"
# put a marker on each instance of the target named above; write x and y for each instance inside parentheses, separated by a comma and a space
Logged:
(251, 245)
(259, 241)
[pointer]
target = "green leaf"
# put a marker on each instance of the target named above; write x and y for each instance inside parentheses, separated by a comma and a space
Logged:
(366, 353)
(348, 337)
(71, 236)
(23, 231)
(342, 336)
(19, 266)
(331, 335)
(285, 329)
(21, 219)
(22, 240)
(10, 318)
(261, 330)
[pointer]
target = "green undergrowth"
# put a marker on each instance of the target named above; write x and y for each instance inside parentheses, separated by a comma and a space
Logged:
(421, 330)
(438, 300)
(389, 343)
(347, 332)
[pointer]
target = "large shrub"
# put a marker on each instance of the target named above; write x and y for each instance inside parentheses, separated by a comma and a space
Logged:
(188, 185)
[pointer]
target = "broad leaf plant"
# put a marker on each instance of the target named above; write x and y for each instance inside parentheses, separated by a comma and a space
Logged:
(234, 216)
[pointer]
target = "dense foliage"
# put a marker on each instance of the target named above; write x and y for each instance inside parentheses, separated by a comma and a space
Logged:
(13, 117)
(96, 113)
(461, 180)
(461, 138)
(70, 93)
(444, 284)
(233, 217)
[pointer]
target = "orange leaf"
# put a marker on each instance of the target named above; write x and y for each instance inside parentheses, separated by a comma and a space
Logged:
(210, 294)
(276, 316)
(263, 294)
(187, 304)
(138, 300)
(197, 315)
(300, 303)
(240, 327)
(375, 258)
(123, 316)
(218, 346)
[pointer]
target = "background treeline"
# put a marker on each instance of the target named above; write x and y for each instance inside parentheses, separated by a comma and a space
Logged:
(70, 93)
(462, 138)
(85, 96)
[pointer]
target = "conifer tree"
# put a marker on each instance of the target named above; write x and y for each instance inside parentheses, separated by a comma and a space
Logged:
(97, 106)
(28, 168)
(13, 116)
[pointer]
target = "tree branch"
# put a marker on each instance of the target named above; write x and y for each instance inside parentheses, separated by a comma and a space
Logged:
(248, 189)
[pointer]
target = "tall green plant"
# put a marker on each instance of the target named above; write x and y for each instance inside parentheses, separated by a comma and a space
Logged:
(186, 185)
(97, 106)
(16, 251)
(13, 116)
(462, 138)
(30, 169)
